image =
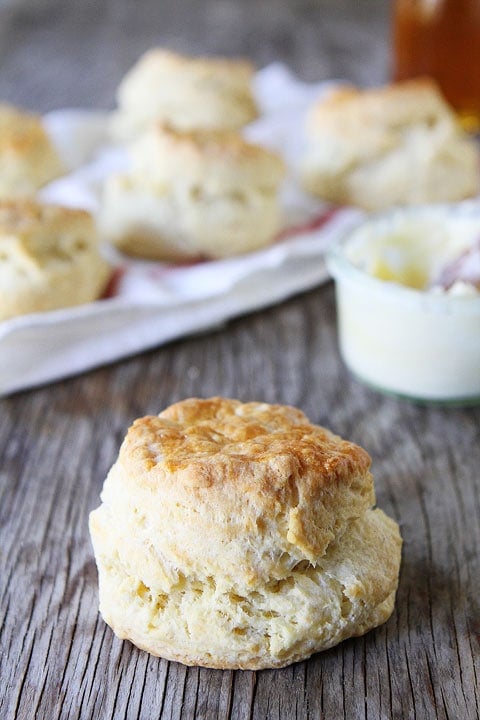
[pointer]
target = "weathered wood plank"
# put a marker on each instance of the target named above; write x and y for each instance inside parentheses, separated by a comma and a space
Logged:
(59, 659)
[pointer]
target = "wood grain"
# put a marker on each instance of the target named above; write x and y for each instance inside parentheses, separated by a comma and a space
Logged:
(57, 657)
(60, 660)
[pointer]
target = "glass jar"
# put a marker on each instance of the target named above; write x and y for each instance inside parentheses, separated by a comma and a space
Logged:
(441, 39)
(417, 344)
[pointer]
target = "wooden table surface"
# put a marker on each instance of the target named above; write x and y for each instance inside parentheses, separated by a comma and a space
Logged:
(57, 657)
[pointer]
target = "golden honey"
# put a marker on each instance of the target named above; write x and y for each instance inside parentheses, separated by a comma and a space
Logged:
(441, 39)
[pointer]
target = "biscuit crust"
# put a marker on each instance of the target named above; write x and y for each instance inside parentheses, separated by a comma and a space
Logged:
(400, 144)
(28, 159)
(193, 194)
(241, 535)
(185, 92)
(49, 258)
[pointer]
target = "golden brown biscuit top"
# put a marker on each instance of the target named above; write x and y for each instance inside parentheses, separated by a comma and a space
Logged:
(165, 62)
(24, 214)
(218, 470)
(195, 434)
(223, 146)
(214, 143)
(35, 233)
(404, 102)
(20, 132)
(203, 153)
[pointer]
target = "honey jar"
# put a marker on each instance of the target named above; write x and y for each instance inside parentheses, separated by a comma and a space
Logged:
(441, 39)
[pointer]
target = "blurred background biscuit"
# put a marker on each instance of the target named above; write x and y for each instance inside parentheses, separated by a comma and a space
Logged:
(193, 194)
(185, 92)
(398, 145)
(49, 258)
(28, 159)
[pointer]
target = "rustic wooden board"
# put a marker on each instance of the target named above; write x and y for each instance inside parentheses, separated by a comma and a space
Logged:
(57, 657)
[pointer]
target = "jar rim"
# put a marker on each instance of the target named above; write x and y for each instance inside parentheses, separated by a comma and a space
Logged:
(341, 268)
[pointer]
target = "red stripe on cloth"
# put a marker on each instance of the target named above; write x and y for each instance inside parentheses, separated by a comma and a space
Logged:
(157, 270)
(113, 284)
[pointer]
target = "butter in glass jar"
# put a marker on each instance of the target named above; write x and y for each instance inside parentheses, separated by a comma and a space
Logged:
(441, 39)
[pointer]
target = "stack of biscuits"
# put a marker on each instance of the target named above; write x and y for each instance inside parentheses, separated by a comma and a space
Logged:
(196, 188)
(49, 255)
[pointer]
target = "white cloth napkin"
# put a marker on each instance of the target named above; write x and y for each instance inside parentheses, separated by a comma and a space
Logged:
(153, 303)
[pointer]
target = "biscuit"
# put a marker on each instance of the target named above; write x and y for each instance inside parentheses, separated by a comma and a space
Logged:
(48, 258)
(184, 92)
(236, 535)
(193, 194)
(28, 159)
(397, 145)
